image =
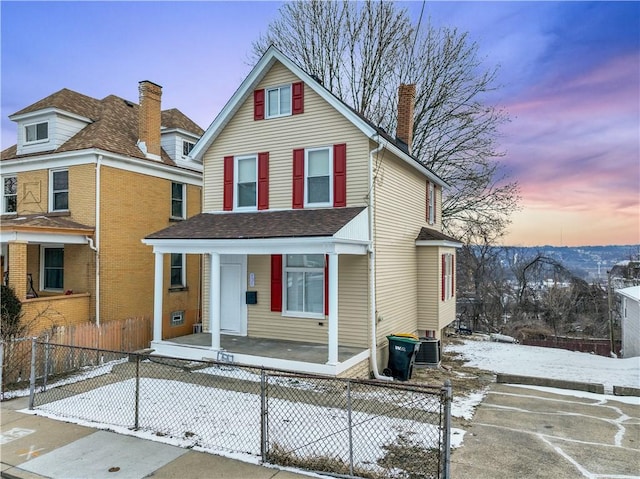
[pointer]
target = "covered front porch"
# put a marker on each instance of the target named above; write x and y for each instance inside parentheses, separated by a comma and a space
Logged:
(271, 295)
(275, 353)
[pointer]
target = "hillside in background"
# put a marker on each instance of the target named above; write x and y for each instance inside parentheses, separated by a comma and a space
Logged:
(590, 263)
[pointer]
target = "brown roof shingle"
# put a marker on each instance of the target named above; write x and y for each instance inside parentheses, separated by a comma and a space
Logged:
(427, 234)
(266, 224)
(41, 221)
(114, 127)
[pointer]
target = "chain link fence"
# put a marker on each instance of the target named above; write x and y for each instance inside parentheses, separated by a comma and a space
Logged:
(344, 427)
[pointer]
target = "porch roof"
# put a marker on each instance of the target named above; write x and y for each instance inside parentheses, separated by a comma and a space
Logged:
(42, 228)
(431, 237)
(266, 231)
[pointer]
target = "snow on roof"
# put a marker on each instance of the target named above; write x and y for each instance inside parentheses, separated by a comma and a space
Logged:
(632, 292)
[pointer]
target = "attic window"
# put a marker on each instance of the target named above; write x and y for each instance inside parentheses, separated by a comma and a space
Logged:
(36, 132)
(278, 101)
(187, 146)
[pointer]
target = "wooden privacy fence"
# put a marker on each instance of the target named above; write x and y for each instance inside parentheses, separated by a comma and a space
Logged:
(125, 335)
(601, 347)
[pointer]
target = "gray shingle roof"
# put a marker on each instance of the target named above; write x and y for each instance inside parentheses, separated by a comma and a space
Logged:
(427, 234)
(267, 224)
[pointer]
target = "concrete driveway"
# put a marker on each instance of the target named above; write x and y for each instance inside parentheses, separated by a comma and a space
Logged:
(520, 432)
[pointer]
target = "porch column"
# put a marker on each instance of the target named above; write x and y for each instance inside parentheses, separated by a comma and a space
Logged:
(157, 297)
(214, 299)
(17, 251)
(333, 309)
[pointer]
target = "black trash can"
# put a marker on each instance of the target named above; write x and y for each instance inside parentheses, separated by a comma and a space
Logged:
(402, 355)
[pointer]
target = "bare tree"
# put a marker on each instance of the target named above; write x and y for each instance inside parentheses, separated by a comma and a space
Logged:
(362, 51)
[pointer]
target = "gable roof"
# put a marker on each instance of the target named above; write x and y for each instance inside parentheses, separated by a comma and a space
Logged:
(113, 127)
(258, 72)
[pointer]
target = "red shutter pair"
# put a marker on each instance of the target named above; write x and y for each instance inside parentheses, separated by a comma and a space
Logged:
(339, 177)
(276, 283)
(297, 101)
(263, 182)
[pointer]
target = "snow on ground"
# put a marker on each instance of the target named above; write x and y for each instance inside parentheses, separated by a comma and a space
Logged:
(549, 363)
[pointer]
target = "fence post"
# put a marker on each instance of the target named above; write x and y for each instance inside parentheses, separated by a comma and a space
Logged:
(46, 362)
(350, 427)
(137, 412)
(264, 441)
(446, 433)
(32, 375)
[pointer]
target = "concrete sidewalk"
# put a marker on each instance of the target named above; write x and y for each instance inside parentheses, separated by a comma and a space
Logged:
(35, 447)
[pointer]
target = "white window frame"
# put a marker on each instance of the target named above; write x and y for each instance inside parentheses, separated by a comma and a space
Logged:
(37, 140)
(183, 200)
(300, 269)
(43, 248)
(236, 192)
(279, 90)
(184, 143)
(183, 271)
(432, 203)
(5, 196)
(448, 276)
(329, 149)
(177, 318)
(53, 192)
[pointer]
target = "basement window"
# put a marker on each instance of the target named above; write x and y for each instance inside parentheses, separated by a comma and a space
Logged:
(177, 318)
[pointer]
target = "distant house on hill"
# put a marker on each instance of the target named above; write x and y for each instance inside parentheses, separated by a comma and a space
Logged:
(86, 181)
(630, 314)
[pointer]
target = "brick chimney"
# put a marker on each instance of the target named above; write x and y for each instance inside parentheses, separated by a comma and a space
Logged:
(406, 104)
(149, 118)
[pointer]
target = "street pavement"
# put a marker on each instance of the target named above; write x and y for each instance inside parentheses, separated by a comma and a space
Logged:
(519, 432)
(35, 447)
(516, 432)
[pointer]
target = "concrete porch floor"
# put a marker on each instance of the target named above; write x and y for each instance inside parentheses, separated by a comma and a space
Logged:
(269, 348)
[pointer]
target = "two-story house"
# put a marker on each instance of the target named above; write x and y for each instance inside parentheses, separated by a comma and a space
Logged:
(86, 181)
(321, 232)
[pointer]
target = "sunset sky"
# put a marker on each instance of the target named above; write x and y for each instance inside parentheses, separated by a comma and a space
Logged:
(569, 76)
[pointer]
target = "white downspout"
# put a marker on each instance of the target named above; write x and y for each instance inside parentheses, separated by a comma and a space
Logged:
(372, 274)
(97, 239)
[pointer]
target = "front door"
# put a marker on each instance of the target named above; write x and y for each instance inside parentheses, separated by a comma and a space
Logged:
(232, 307)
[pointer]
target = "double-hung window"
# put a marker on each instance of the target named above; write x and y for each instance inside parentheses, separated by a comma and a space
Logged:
(318, 174)
(9, 194)
(59, 190)
(52, 268)
(178, 200)
(278, 101)
(246, 169)
(447, 276)
(177, 270)
(304, 280)
(36, 132)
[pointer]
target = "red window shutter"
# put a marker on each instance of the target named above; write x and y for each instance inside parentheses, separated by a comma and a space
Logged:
(326, 284)
(276, 282)
(263, 181)
(298, 178)
(258, 104)
(340, 175)
(444, 274)
(297, 98)
(227, 190)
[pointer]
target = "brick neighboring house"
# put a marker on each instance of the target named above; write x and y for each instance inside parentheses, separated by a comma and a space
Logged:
(322, 233)
(86, 181)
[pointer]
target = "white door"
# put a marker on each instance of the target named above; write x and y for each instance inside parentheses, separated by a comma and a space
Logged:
(231, 301)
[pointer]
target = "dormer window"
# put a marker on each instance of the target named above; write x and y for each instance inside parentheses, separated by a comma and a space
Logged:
(36, 132)
(187, 146)
(278, 101)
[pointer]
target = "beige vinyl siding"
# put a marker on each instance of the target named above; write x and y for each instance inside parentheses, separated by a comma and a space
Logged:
(399, 214)
(319, 125)
(429, 284)
(352, 309)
